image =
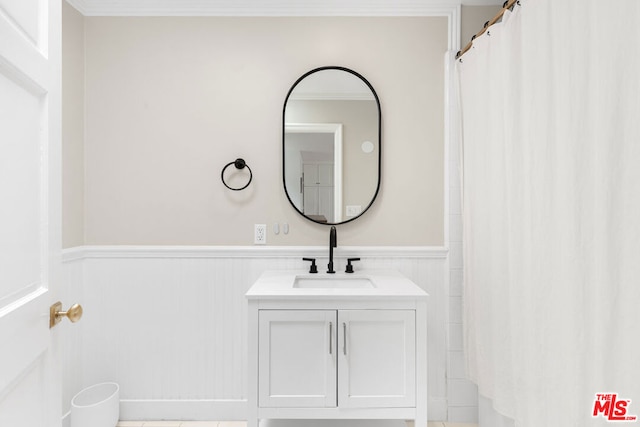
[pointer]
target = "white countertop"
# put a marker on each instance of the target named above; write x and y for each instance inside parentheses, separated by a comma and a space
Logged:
(387, 284)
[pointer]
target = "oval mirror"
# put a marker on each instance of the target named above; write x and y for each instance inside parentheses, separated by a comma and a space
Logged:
(331, 145)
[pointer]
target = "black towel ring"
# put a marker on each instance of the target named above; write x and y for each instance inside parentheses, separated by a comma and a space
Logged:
(239, 164)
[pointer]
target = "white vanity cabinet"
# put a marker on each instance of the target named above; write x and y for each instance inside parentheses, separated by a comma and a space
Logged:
(336, 358)
(337, 353)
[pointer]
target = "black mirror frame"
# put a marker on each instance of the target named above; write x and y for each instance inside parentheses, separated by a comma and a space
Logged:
(284, 109)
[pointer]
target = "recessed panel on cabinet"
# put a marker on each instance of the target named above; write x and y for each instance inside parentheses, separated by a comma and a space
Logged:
(297, 358)
(377, 367)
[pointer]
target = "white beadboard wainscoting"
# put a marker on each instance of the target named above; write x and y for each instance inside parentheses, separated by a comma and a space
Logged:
(169, 324)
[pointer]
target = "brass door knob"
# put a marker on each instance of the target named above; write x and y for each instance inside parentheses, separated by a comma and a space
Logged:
(56, 314)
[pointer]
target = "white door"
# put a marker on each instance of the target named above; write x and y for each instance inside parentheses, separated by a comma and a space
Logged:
(319, 191)
(325, 174)
(326, 191)
(297, 366)
(311, 182)
(30, 33)
(376, 358)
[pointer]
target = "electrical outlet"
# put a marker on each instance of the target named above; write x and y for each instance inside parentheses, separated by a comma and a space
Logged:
(260, 234)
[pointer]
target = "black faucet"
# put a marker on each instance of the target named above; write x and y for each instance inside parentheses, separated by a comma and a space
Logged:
(333, 243)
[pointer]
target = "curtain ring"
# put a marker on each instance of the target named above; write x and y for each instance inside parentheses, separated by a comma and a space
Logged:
(239, 164)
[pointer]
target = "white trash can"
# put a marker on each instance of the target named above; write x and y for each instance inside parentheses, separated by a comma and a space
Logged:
(96, 406)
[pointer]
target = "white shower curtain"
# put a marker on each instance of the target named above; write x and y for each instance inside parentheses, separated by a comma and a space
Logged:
(550, 103)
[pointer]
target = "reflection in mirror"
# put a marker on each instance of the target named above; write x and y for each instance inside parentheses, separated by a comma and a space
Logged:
(331, 145)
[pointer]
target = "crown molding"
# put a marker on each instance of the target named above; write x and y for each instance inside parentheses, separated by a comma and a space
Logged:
(265, 7)
(79, 5)
(280, 8)
(272, 7)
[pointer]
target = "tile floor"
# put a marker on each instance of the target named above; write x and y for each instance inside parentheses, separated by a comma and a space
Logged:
(243, 424)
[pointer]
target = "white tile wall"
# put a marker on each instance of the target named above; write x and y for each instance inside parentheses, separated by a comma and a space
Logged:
(455, 254)
(455, 283)
(461, 392)
(455, 310)
(456, 366)
(462, 395)
(463, 414)
(455, 337)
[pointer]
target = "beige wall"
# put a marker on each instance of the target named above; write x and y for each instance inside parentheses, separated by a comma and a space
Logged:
(170, 101)
(72, 127)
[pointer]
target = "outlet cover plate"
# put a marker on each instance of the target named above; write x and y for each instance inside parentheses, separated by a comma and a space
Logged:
(260, 234)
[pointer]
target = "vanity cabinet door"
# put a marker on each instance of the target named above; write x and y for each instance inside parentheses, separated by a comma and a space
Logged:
(297, 363)
(376, 358)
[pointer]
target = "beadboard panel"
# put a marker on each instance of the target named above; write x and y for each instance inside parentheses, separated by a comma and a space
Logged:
(169, 323)
(70, 335)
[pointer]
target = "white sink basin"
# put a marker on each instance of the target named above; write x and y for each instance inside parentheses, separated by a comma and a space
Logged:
(332, 282)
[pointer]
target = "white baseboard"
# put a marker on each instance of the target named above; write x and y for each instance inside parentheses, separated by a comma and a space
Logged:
(218, 410)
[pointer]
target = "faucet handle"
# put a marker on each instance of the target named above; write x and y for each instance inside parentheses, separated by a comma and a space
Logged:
(313, 268)
(349, 266)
